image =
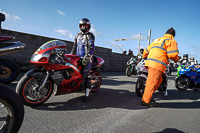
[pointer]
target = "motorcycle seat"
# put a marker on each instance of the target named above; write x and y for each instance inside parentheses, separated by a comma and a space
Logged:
(94, 61)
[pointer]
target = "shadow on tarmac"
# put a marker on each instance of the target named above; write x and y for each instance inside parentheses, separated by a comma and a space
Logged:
(114, 82)
(189, 99)
(105, 98)
(124, 99)
(170, 130)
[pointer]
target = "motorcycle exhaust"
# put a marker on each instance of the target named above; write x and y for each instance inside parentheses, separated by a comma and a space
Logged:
(11, 47)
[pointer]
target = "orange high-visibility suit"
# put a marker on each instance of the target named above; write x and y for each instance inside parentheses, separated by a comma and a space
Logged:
(159, 52)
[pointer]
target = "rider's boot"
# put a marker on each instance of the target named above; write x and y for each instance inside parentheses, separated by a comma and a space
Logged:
(165, 91)
(87, 89)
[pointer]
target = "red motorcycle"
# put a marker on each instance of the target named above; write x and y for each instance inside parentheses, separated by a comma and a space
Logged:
(57, 73)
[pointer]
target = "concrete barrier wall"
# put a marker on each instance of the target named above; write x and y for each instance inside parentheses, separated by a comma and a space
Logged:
(113, 61)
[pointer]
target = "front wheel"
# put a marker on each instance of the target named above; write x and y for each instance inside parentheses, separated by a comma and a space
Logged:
(27, 88)
(129, 71)
(96, 80)
(182, 83)
(11, 110)
(140, 86)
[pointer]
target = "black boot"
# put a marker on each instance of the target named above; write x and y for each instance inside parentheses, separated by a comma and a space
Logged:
(87, 89)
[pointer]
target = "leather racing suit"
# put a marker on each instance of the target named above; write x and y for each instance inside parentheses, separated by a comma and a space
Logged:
(84, 47)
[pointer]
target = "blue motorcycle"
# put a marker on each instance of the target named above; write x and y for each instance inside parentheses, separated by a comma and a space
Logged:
(188, 78)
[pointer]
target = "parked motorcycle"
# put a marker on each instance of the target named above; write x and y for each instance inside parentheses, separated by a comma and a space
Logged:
(141, 81)
(57, 73)
(131, 67)
(188, 78)
(11, 106)
(8, 68)
(185, 65)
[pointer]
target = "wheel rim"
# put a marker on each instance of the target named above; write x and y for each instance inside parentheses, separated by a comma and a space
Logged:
(130, 71)
(95, 81)
(182, 83)
(31, 93)
(7, 116)
(143, 87)
(7, 71)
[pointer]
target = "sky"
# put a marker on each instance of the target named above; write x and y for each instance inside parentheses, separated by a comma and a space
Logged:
(111, 19)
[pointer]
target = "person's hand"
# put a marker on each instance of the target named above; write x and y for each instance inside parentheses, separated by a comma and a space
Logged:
(85, 60)
(144, 58)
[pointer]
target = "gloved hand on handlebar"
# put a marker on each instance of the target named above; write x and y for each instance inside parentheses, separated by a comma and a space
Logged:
(85, 60)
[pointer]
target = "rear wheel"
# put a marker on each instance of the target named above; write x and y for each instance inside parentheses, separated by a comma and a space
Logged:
(129, 71)
(8, 71)
(182, 83)
(140, 86)
(27, 88)
(96, 80)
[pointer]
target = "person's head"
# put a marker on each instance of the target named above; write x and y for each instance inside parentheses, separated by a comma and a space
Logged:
(141, 50)
(171, 31)
(2, 17)
(185, 56)
(84, 25)
(192, 59)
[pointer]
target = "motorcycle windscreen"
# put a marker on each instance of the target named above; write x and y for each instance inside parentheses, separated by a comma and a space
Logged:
(52, 44)
(45, 50)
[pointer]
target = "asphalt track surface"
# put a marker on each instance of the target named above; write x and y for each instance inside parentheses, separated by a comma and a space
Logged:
(115, 108)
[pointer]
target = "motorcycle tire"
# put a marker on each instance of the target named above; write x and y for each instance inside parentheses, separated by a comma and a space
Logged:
(97, 79)
(30, 96)
(12, 104)
(139, 88)
(163, 85)
(11, 71)
(179, 83)
(170, 72)
(129, 71)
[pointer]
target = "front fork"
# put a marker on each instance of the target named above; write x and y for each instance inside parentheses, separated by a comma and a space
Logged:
(43, 81)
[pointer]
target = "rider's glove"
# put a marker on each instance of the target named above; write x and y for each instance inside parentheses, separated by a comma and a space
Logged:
(85, 60)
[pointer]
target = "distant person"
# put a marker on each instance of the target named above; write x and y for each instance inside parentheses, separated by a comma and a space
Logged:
(130, 52)
(192, 61)
(184, 60)
(84, 47)
(141, 51)
(158, 54)
(2, 18)
(140, 54)
(124, 52)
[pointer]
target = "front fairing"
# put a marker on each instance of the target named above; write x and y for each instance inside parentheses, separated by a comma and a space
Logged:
(131, 61)
(37, 57)
(191, 74)
(183, 71)
(42, 55)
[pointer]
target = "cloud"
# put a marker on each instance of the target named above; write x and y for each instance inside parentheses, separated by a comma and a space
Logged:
(114, 45)
(61, 13)
(10, 17)
(95, 32)
(64, 32)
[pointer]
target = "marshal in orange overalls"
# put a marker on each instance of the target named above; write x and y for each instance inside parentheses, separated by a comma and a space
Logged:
(159, 52)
